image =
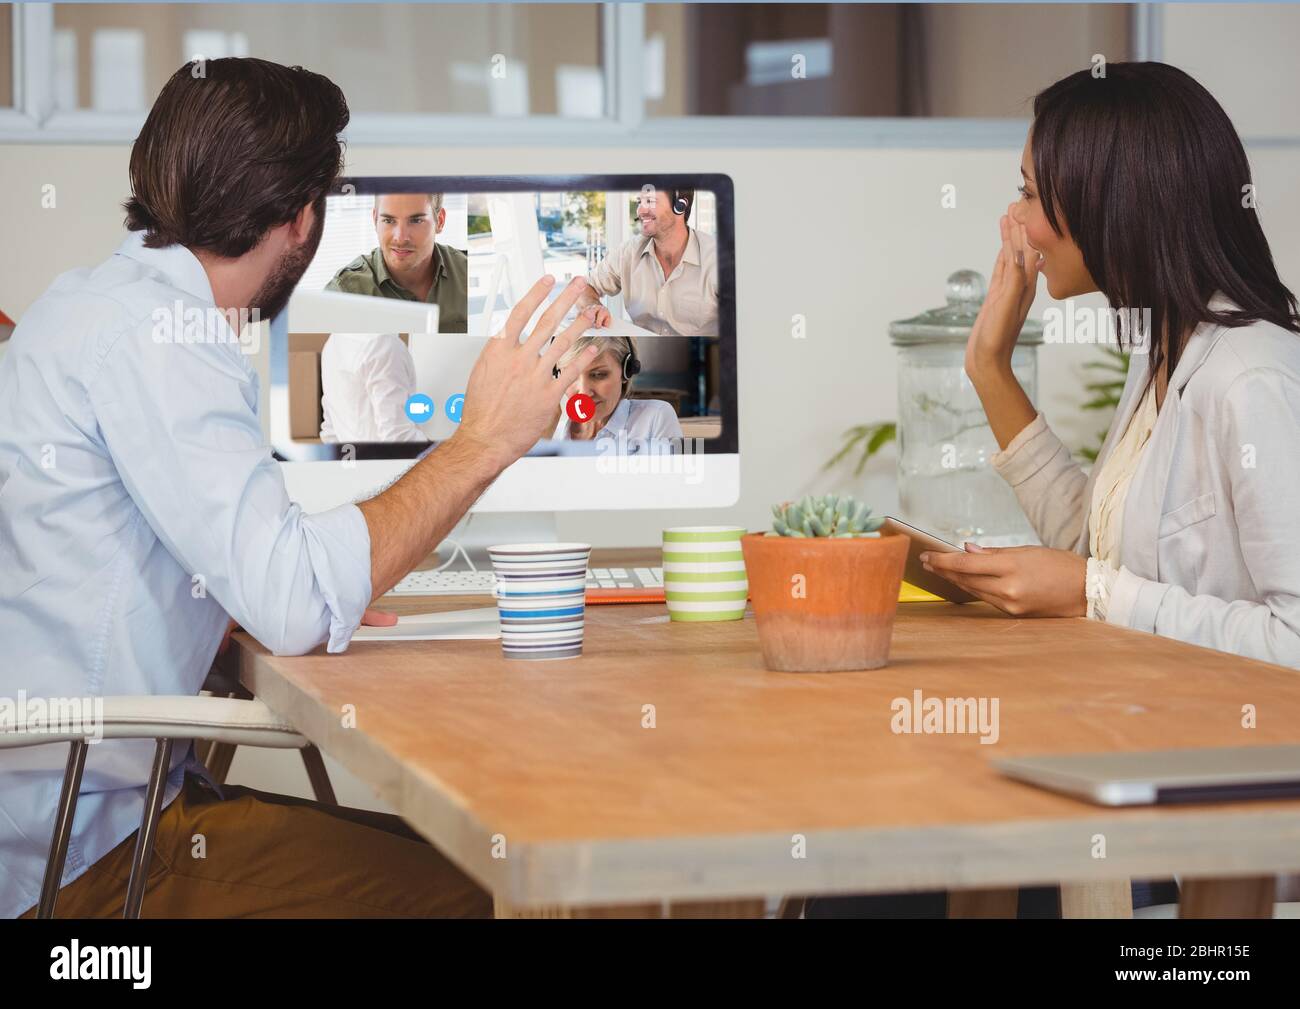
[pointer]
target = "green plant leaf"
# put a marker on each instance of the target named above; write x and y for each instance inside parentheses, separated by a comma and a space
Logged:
(882, 436)
(867, 439)
(1106, 393)
(851, 438)
(1120, 366)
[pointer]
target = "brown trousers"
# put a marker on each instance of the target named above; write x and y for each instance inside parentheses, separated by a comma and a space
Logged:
(274, 856)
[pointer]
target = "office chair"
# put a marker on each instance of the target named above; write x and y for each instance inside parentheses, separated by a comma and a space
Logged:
(220, 720)
(217, 756)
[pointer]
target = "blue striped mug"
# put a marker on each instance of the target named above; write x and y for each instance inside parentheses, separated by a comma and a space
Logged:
(541, 593)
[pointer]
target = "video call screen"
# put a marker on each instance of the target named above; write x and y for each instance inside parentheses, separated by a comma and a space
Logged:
(409, 282)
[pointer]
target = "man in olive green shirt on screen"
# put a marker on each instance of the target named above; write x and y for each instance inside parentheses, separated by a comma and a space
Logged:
(409, 263)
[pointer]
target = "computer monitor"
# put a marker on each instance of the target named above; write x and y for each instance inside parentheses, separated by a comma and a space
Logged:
(493, 237)
(338, 312)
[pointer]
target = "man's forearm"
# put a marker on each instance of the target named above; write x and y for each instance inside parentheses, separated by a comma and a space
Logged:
(411, 517)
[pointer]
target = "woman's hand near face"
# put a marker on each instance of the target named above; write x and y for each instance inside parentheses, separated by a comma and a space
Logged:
(1006, 306)
(997, 327)
(1021, 581)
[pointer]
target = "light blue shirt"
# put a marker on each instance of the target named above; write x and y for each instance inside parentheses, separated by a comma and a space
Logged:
(139, 505)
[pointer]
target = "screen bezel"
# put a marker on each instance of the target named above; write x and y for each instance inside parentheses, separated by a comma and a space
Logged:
(727, 441)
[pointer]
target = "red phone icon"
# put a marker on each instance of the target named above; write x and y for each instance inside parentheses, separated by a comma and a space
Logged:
(581, 408)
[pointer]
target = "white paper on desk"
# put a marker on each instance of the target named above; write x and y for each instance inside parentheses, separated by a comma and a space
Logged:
(449, 625)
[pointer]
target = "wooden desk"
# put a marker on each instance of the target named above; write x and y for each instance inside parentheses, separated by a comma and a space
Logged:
(746, 770)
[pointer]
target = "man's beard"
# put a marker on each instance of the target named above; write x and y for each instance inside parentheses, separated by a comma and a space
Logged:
(273, 295)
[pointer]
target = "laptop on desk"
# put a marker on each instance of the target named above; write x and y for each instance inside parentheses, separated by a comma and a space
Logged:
(1161, 777)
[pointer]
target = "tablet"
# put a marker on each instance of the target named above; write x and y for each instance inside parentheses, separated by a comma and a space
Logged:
(1216, 774)
(914, 573)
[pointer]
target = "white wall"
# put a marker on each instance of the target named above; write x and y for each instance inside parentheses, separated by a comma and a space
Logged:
(1246, 55)
(851, 239)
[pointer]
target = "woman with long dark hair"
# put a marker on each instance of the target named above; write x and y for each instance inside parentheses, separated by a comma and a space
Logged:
(1136, 185)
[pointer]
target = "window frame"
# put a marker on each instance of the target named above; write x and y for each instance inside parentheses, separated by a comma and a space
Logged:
(33, 119)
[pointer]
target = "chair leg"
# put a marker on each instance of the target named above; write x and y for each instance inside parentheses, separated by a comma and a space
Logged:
(62, 829)
(218, 760)
(148, 828)
(319, 777)
(222, 681)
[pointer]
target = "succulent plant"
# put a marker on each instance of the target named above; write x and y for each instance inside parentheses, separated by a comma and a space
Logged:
(831, 515)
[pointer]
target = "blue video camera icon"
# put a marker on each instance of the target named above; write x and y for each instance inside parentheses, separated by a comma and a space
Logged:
(419, 408)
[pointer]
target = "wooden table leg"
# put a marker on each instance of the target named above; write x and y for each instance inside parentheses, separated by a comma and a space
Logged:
(743, 908)
(983, 903)
(1107, 899)
(655, 910)
(503, 909)
(1241, 897)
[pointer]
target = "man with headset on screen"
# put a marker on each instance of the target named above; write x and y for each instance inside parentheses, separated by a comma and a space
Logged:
(667, 274)
(142, 510)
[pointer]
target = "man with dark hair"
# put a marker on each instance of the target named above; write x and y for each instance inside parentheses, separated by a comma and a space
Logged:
(140, 510)
(409, 262)
(667, 274)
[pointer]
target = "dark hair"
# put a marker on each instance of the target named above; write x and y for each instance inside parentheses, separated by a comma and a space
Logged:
(232, 148)
(1151, 178)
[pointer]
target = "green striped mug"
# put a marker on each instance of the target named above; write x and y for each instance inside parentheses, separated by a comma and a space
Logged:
(704, 573)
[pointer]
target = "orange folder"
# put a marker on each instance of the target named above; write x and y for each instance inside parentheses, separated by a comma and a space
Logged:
(600, 597)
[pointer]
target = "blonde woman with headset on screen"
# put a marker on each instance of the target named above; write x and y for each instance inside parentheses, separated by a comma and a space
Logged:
(637, 424)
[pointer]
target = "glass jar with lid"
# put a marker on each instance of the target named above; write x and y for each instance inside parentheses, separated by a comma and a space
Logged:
(946, 483)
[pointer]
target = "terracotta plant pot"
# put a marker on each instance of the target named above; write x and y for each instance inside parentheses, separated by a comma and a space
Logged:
(824, 604)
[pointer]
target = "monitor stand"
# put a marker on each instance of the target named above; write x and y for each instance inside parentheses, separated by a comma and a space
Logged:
(479, 530)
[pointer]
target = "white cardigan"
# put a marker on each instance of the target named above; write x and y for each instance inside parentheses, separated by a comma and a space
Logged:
(1210, 547)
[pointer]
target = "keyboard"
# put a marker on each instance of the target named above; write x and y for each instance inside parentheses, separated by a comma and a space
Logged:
(625, 578)
(481, 583)
(445, 583)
